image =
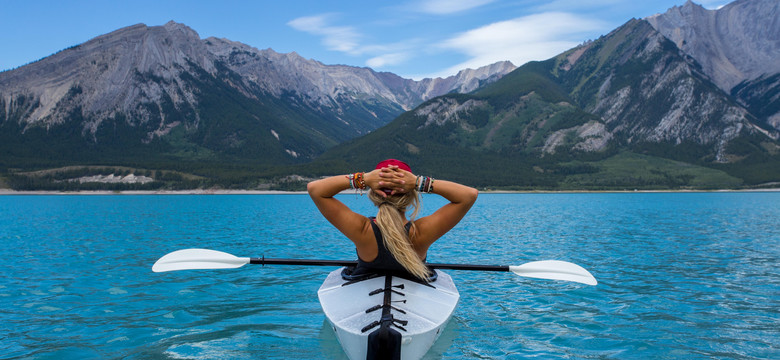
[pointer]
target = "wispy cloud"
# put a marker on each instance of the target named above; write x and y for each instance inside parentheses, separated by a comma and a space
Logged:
(347, 39)
(339, 38)
(444, 7)
(533, 37)
(713, 4)
(575, 5)
(389, 59)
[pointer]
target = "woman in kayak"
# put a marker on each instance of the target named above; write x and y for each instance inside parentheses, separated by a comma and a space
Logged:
(390, 241)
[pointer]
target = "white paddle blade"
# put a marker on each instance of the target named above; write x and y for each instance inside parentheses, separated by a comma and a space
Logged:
(554, 270)
(190, 259)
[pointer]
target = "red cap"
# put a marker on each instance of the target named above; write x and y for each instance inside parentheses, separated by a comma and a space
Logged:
(401, 165)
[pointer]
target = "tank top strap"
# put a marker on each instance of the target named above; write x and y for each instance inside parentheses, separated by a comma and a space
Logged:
(380, 243)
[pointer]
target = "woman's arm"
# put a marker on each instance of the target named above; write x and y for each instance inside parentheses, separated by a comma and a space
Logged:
(350, 223)
(430, 228)
(322, 192)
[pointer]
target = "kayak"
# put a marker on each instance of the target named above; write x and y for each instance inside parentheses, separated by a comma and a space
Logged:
(381, 315)
(387, 316)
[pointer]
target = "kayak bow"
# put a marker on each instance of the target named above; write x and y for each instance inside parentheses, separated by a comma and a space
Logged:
(387, 316)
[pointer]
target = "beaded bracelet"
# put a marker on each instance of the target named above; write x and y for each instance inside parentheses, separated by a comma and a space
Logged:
(424, 184)
(356, 181)
(360, 181)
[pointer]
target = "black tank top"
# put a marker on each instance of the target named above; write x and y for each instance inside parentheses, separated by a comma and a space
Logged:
(384, 261)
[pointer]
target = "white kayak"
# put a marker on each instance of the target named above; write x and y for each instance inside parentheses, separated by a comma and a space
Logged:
(387, 316)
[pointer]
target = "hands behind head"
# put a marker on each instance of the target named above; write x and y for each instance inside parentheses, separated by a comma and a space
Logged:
(390, 181)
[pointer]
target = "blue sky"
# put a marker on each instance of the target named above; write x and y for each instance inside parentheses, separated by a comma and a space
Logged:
(414, 39)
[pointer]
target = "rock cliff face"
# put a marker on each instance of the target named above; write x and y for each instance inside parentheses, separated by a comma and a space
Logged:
(279, 73)
(159, 79)
(101, 76)
(666, 99)
(738, 42)
(737, 46)
(762, 97)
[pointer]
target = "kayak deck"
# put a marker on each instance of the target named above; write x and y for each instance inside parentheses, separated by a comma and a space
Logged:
(417, 311)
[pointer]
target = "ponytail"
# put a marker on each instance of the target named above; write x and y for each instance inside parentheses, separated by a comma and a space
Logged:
(390, 220)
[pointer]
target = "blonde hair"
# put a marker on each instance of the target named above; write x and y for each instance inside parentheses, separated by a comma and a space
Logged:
(390, 219)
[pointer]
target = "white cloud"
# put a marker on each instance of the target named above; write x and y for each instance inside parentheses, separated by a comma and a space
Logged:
(347, 40)
(444, 7)
(338, 38)
(713, 4)
(533, 37)
(575, 5)
(388, 59)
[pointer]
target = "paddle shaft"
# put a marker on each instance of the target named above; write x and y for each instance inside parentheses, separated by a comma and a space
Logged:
(191, 259)
(315, 262)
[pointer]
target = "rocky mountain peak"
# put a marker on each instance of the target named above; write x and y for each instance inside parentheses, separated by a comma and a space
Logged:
(738, 42)
(471, 79)
(155, 78)
(105, 75)
(172, 26)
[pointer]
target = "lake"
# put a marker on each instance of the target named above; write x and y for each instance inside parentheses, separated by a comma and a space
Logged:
(681, 275)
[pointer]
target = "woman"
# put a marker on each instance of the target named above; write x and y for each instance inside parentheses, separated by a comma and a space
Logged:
(390, 241)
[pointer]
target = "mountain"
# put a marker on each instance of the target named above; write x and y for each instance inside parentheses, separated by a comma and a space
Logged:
(162, 93)
(628, 109)
(762, 97)
(738, 42)
(677, 100)
(737, 46)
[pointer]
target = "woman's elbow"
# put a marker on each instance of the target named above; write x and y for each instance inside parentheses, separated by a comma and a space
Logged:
(471, 195)
(312, 187)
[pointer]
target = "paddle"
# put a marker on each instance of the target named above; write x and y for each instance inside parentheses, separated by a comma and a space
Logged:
(190, 259)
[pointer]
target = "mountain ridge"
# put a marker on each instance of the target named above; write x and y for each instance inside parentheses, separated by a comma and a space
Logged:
(737, 46)
(562, 120)
(152, 78)
(631, 109)
(737, 42)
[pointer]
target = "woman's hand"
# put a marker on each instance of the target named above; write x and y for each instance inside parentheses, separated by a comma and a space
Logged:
(390, 181)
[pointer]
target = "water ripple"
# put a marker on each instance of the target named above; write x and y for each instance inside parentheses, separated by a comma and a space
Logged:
(680, 276)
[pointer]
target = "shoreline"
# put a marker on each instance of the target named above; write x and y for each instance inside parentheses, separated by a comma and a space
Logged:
(9, 192)
(151, 192)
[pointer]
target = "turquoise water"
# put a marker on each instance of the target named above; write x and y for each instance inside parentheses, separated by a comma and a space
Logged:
(681, 275)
